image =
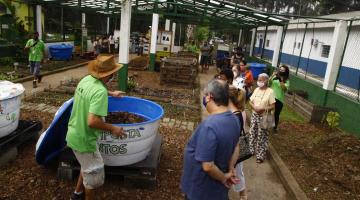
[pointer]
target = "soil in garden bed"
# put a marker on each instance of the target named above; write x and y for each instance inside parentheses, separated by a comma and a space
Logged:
(325, 163)
(8, 72)
(124, 118)
(49, 98)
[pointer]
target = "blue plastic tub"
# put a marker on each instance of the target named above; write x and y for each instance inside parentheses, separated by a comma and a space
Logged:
(61, 51)
(116, 151)
(257, 68)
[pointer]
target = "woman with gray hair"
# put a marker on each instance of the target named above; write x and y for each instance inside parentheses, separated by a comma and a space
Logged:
(262, 101)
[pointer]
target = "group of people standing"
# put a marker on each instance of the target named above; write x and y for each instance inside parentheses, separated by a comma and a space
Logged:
(210, 160)
(105, 45)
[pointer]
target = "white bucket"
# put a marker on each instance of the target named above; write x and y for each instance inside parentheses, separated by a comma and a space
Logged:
(10, 102)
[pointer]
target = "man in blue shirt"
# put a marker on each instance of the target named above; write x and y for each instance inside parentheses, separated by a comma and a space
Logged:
(207, 155)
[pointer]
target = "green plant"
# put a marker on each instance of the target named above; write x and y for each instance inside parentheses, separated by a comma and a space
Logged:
(332, 119)
(131, 84)
(8, 77)
(201, 34)
(16, 33)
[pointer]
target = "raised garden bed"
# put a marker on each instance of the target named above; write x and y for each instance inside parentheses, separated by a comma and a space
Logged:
(9, 73)
(49, 98)
(325, 163)
(25, 179)
(314, 113)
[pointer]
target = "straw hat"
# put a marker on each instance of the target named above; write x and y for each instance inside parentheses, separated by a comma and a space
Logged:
(103, 66)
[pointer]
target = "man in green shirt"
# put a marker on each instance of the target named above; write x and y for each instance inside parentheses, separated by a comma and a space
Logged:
(86, 122)
(36, 49)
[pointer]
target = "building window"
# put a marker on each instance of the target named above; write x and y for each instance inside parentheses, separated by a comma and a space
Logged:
(294, 45)
(325, 51)
(299, 45)
(267, 43)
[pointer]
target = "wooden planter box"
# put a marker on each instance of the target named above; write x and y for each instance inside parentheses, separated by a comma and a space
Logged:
(175, 70)
(313, 113)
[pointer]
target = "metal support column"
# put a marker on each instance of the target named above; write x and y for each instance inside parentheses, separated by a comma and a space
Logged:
(282, 44)
(278, 43)
(124, 43)
(107, 25)
(83, 26)
(39, 21)
(253, 40)
(167, 25)
(173, 37)
(264, 42)
(301, 49)
(62, 24)
(240, 35)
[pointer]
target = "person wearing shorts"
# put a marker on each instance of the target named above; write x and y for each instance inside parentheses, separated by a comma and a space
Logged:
(36, 49)
(86, 122)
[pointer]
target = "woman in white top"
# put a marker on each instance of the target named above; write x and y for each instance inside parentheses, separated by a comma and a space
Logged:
(262, 101)
(239, 80)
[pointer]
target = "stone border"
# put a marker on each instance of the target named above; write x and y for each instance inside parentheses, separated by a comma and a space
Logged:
(29, 78)
(288, 180)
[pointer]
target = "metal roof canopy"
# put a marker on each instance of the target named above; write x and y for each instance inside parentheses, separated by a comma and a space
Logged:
(214, 13)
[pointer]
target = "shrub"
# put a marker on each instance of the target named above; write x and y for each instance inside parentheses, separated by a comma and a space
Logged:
(332, 119)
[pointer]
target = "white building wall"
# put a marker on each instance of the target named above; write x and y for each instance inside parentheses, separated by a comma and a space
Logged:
(323, 35)
(289, 42)
(271, 36)
(352, 52)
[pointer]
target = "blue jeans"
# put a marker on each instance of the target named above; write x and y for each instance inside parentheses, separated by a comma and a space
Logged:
(35, 68)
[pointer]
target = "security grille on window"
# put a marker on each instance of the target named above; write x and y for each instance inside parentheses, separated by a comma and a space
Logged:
(267, 43)
(325, 51)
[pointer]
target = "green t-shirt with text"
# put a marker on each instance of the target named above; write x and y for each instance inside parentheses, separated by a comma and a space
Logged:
(36, 51)
(91, 96)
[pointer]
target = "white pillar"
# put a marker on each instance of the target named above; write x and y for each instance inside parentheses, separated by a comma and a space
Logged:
(83, 20)
(124, 43)
(39, 21)
(167, 25)
(108, 26)
(83, 25)
(154, 32)
(125, 23)
(252, 42)
(173, 37)
(336, 50)
(240, 34)
(275, 58)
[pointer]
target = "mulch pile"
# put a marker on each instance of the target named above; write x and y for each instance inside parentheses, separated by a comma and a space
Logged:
(139, 63)
(325, 163)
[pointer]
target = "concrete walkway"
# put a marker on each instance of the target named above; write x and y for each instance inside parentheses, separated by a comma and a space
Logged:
(54, 80)
(262, 182)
